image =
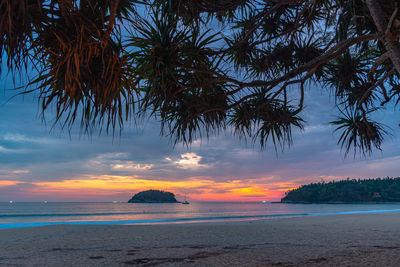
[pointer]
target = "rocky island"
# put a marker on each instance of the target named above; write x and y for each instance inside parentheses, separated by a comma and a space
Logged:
(153, 196)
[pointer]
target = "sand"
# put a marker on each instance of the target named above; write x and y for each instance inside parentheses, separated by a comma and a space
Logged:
(338, 240)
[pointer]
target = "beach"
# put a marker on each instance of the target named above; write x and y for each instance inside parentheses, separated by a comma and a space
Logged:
(333, 240)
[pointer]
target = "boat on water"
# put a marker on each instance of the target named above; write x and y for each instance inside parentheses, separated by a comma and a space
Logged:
(185, 202)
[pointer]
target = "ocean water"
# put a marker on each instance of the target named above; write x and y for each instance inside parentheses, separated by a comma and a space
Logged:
(30, 214)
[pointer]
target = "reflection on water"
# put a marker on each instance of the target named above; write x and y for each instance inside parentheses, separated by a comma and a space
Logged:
(129, 213)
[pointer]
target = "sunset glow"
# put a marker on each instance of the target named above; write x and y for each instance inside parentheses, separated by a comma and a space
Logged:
(105, 187)
(8, 183)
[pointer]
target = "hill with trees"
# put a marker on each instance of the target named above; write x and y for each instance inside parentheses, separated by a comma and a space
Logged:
(153, 196)
(347, 191)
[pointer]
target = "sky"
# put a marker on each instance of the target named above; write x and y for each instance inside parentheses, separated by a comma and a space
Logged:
(39, 162)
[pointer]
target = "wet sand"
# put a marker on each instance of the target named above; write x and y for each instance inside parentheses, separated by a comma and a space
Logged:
(338, 240)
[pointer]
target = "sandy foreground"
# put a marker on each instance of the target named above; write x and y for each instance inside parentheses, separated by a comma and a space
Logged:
(339, 240)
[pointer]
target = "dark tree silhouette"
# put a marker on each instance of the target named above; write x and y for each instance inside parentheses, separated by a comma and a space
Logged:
(202, 65)
(369, 190)
(153, 196)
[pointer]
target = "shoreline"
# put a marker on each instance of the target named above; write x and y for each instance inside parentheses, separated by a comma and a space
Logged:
(337, 202)
(341, 240)
(187, 220)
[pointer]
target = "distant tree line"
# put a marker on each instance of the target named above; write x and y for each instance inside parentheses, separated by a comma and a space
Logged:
(350, 190)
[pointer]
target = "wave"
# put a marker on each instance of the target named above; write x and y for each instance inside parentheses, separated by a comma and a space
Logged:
(183, 220)
(77, 214)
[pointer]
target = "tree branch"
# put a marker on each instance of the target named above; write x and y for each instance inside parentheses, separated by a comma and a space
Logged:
(391, 45)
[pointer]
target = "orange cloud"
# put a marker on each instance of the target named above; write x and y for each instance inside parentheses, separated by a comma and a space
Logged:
(195, 188)
(8, 183)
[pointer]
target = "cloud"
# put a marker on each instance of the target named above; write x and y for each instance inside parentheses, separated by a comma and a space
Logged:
(107, 187)
(8, 183)
(129, 165)
(20, 171)
(111, 156)
(190, 161)
(9, 150)
(65, 165)
(108, 162)
(21, 138)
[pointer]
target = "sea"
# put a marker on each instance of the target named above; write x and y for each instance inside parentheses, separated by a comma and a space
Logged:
(33, 214)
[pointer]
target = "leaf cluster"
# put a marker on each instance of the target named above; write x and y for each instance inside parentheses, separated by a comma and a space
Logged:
(202, 66)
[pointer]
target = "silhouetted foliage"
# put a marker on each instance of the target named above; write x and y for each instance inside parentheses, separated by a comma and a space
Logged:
(153, 196)
(369, 190)
(199, 66)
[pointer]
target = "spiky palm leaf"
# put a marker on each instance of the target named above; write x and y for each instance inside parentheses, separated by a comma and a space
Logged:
(193, 72)
(272, 120)
(84, 67)
(17, 20)
(178, 85)
(359, 132)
